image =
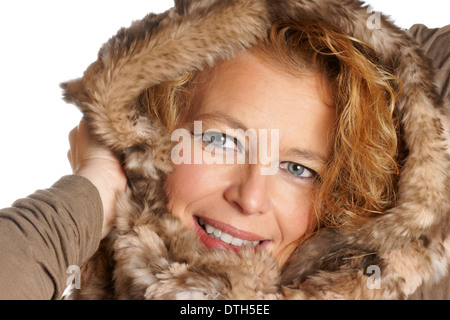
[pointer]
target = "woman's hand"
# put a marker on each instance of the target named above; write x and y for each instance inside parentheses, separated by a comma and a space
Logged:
(100, 166)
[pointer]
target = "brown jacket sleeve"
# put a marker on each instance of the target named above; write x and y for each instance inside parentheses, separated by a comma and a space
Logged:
(435, 42)
(45, 233)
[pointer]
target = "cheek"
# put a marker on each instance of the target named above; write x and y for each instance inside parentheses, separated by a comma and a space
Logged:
(177, 189)
(190, 183)
(295, 219)
(183, 175)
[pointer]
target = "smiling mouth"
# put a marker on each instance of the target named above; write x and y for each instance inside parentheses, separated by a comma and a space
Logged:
(225, 237)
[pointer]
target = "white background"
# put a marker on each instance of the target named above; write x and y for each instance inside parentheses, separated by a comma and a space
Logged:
(46, 42)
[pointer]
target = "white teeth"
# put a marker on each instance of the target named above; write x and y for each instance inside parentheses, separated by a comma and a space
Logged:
(217, 233)
(225, 237)
(237, 242)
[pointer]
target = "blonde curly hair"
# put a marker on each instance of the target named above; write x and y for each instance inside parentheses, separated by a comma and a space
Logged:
(359, 177)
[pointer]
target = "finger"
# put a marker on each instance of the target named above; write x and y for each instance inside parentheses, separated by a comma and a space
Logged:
(73, 135)
(85, 138)
(83, 131)
(70, 158)
(73, 147)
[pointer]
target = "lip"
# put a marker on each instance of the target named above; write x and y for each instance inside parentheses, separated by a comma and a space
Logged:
(235, 232)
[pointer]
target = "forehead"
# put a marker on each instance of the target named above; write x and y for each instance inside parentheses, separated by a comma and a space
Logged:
(259, 96)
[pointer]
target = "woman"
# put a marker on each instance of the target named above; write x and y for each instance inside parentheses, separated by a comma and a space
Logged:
(280, 86)
(324, 86)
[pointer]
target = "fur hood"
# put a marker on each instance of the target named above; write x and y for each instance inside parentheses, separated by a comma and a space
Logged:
(390, 256)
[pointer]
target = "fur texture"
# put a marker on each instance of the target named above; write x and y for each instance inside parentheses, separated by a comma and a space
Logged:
(150, 256)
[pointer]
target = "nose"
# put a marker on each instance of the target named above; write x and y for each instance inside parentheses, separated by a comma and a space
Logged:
(250, 194)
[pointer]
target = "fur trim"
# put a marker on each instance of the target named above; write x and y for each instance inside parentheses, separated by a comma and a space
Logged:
(143, 258)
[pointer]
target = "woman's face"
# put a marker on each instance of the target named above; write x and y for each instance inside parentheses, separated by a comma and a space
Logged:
(232, 205)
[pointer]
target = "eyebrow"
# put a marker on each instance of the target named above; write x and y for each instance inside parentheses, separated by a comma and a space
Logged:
(222, 117)
(232, 122)
(307, 154)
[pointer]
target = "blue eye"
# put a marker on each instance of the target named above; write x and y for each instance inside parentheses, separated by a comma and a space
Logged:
(221, 140)
(216, 138)
(298, 170)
